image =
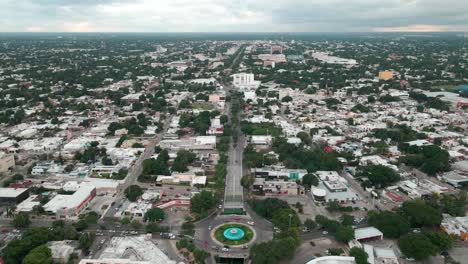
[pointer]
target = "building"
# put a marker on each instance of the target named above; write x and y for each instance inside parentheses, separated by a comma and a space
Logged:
(13, 195)
(61, 250)
(7, 162)
(456, 226)
(70, 206)
(273, 172)
(275, 187)
(333, 260)
(112, 261)
(385, 75)
(367, 233)
(132, 248)
(245, 81)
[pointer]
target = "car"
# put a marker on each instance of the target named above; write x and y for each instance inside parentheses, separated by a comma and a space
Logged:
(224, 249)
(237, 218)
(251, 223)
(325, 232)
(305, 229)
(210, 227)
(220, 206)
(245, 247)
(171, 188)
(312, 243)
(177, 195)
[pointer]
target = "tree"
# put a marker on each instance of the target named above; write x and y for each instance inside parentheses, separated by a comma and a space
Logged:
(202, 201)
(379, 175)
(347, 220)
(133, 192)
(286, 218)
(155, 214)
(441, 239)
(247, 181)
(420, 214)
(309, 180)
(86, 240)
(310, 224)
(39, 255)
(136, 224)
(417, 246)
(21, 220)
(183, 159)
(125, 221)
(360, 256)
(344, 233)
(391, 224)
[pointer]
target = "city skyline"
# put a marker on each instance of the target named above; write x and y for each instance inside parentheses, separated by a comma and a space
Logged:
(233, 16)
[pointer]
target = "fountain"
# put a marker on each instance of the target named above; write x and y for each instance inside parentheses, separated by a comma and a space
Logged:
(234, 233)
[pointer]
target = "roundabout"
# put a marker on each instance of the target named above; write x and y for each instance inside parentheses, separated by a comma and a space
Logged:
(233, 234)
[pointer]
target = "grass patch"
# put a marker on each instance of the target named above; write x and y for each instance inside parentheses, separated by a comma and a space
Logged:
(202, 106)
(220, 236)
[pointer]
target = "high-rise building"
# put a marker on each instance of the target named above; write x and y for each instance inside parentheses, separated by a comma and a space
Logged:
(245, 81)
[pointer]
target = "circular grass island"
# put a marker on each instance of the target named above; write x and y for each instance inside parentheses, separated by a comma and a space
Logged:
(233, 234)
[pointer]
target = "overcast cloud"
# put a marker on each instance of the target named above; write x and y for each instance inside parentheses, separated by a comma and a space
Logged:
(233, 15)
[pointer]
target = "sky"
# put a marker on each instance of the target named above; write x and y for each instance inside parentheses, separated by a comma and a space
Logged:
(233, 15)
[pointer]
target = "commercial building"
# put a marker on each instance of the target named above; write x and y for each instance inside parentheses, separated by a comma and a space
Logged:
(245, 81)
(13, 195)
(275, 172)
(333, 260)
(70, 206)
(276, 187)
(7, 162)
(133, 248)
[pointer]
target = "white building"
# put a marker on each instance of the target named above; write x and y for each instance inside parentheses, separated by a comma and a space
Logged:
(245, 81)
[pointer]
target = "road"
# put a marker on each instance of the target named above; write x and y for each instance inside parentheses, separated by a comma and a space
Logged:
(233, 193)
(135, 171)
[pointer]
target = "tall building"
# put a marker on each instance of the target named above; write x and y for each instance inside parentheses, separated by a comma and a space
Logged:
(245, 81)
(277, 49)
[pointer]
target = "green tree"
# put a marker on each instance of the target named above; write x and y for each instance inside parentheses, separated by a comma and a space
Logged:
(359, 255)
(344, 233)
(379, 175)
(183, 159)
(86, 240)
(441, 239)
(202, 201)
(286, 218)
(391, 224)
(39, 255)
(155, 214)
(347, 220)
(137, 225)
(309, 180)
(417, 246)
(125, 221)
(21, 220)
(420, 214)
(310, 224)
(133, 192)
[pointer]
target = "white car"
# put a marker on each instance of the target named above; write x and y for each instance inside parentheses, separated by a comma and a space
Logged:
(325, 232)
(251, 223)
(224, 249)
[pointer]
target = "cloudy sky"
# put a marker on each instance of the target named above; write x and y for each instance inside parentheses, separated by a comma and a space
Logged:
(232, 15)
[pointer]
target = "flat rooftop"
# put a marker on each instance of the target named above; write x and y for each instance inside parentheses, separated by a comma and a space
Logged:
(11, 192)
